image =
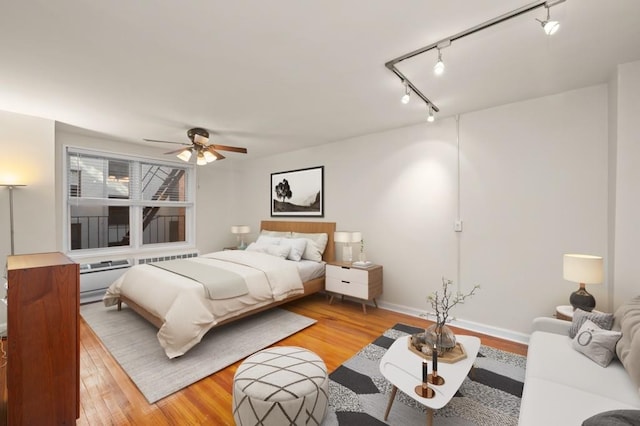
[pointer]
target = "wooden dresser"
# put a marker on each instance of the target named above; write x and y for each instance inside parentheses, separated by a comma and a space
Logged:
(43, 336)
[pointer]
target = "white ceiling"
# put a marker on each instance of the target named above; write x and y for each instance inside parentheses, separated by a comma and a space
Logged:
(279, 75)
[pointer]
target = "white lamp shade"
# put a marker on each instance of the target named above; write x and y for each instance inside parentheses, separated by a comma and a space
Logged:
(240, 229)
(583, 268)
(185, 155)
(342, 237)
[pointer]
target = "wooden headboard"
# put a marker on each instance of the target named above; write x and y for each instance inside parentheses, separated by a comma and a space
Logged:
(309, 227)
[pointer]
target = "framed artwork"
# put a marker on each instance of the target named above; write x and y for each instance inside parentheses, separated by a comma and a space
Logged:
(298, 193)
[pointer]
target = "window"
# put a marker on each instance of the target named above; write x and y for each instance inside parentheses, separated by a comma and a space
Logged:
(125, 202)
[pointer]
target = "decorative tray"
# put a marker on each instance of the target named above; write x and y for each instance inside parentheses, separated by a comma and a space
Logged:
(416, 345)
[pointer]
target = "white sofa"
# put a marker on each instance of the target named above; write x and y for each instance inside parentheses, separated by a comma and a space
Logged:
(564, 387)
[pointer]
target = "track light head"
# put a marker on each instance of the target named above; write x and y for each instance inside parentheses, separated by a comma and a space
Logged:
(430, 117)
(438, 68)
(407, 94)
(550, 27)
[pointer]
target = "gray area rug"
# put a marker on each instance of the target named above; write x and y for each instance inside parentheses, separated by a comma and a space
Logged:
(358, 393)
(133, 343)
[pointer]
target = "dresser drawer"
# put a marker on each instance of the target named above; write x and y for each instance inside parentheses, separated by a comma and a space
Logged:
(352, 275)
(347, 288)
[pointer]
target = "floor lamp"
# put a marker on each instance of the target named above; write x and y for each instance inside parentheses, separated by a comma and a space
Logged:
(11, 187)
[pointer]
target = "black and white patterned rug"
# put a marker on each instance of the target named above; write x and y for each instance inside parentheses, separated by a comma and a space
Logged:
(358, 393)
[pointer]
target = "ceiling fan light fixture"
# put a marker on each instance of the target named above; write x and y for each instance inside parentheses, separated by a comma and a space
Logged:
(201, 160)
(209, 157)
(185, 155)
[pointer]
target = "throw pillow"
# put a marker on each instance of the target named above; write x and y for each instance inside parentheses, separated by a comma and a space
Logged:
(316, 243)
(266, 240)
(597, 344)
(627, 320)
(614, 418)
(604, 321)
(281, 234)
(296, 245)
(272, 249)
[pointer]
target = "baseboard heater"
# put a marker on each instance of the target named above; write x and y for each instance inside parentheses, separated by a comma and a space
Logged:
(96, 277)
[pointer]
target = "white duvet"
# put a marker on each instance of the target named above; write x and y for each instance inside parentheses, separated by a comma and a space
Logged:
(181, 302)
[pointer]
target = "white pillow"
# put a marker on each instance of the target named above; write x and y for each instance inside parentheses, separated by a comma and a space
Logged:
(297, 247)
(597, 344)
(265, 240)
(316, 244)
(272, 249)
(280, 234)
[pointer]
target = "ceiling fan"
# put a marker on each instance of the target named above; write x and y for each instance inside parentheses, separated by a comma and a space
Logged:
(205, 152)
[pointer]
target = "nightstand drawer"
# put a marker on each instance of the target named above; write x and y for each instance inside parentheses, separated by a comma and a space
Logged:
(347, 288)
(353, 275)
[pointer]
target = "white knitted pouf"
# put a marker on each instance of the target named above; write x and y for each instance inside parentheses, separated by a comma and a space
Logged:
(282, 385)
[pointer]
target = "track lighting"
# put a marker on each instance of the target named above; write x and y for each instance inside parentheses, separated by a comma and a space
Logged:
(407, 95)
(185, 155)
(430, 118)
(438, 68)
(550, 27)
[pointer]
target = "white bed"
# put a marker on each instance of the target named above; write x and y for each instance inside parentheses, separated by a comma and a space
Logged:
(179, 305)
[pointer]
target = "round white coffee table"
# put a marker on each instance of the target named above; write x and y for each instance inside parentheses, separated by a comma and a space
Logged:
(403, 369)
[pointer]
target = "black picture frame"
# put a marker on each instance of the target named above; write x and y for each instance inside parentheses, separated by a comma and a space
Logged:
(297, 193)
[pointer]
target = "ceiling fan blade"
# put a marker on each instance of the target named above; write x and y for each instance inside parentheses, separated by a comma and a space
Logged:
(216, 153)
(176, 143)
(229, 148)
(176, 151)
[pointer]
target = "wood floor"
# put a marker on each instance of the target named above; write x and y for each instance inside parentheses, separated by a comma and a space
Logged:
(108, 397)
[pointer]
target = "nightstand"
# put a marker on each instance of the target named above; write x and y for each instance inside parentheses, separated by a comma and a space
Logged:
(347, 280)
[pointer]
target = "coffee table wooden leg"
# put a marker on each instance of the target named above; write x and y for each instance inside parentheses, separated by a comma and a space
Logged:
(391, 398)
(429, 416)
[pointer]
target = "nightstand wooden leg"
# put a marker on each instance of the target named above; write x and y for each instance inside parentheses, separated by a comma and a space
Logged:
(364, 308)
(374, 302)
(391, 398)
(331, 299)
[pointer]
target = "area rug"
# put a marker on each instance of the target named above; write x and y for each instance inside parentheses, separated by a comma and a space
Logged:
(358, 393)
(133, 343)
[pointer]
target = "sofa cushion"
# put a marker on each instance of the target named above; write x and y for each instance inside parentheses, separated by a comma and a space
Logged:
(597, 344)
(614, 418)
(603, 320)
(552, 359)
(547, 403)
(627, 320)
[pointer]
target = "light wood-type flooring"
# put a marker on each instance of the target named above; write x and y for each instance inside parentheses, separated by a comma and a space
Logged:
(108, 397)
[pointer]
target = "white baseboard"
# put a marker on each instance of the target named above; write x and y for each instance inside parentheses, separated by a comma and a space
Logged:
(501, 333)
(3, 329)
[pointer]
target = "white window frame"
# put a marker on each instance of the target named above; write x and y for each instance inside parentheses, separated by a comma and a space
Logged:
(136, 204)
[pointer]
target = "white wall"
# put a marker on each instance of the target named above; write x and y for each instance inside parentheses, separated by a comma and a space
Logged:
(627, 198)
(27, 147)
(533, 186)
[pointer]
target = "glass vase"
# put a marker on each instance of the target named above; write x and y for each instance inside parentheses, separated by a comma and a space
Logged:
(441, 336)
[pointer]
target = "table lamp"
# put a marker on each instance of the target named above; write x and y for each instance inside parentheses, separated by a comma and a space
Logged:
(582, 269)
(346, 238)
(240, 231)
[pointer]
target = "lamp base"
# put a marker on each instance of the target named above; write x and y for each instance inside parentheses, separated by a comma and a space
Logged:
(582, 299)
